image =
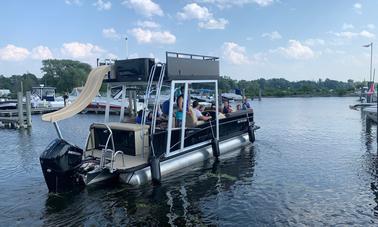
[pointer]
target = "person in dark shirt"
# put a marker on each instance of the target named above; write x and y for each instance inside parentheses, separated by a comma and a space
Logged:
(65, 97)
(245, 105)
(226, 107)
(138, 119)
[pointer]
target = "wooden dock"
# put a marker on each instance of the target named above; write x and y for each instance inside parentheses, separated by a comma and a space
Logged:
(14, 112)
(21, 117)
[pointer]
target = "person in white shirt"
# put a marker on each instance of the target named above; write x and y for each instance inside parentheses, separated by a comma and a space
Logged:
(198, 113)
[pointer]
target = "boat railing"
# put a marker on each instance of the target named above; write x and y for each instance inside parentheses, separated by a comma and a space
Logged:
(113, 153)
(147, 96)
(105, 150)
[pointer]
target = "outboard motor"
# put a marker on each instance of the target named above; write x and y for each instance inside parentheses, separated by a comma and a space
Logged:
(60, 163)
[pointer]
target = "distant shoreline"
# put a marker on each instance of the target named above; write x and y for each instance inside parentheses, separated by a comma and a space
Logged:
(308, 96)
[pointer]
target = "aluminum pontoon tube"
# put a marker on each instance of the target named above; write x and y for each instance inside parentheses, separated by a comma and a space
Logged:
(176, 164)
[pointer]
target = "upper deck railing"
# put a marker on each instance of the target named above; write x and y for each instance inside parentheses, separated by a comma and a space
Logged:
(182, 66)
(179, 66)
(190, 56)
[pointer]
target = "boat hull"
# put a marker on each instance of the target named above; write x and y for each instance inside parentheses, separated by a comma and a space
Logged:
(173, 164)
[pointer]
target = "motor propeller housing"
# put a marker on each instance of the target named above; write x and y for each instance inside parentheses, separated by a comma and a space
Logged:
(60, 163)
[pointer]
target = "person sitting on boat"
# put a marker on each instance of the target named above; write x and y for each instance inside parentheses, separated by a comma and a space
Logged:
(226, 108)
(246, 104)
(138, 119)
(201, 108)
(198, 113)
(165, 107)
(238, 107)
(180, 107)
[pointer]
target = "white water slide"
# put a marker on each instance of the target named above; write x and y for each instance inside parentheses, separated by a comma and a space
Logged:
(89, 92)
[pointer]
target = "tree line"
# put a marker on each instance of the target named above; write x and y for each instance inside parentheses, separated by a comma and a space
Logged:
(61, 74)
(280, 87)
(67, 74)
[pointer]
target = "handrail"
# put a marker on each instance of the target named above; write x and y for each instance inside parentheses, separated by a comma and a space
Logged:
(147, 97)
(113, 158)
(157, 98)
(110, 138)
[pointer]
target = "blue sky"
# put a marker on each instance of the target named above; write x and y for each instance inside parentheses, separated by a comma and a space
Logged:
(292, 39)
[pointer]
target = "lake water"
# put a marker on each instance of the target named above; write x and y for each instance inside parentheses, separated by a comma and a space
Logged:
(314, 162)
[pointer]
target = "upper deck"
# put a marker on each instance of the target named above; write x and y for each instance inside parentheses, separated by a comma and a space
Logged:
(179, 66)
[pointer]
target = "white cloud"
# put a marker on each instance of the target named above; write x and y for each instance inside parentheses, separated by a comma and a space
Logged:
(297, 50)
(147, 8)
(73, 2)
(103, 5)
(347, 35)
(263, 2)
(81, 50)
(272, 35)
(347, 26)
(194, 11)
(229, 3)
(358, 8)
(111, 56)
(314, 42)
(213, 24)
(13, 53)
(149, 36)
(367, 34)
(41, 53)
(133, 55)
(370, 26)
(234, 53)
(350, 35)
(110, 33)
(148, 24)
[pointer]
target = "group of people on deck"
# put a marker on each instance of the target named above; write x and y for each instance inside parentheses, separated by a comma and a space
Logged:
(196, 108)
(244, 106)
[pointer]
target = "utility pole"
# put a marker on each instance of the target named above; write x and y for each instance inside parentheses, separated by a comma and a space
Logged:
(127, 48)
(369, 98)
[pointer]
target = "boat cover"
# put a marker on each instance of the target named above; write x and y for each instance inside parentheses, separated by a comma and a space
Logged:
(89, 92)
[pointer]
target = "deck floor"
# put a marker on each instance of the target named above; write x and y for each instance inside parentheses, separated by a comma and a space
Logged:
(127, 162)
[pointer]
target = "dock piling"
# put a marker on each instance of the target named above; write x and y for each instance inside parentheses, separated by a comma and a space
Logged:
(28, 109)
(20, 109)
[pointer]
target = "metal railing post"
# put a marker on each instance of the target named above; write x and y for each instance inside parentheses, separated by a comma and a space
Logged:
(107, 108)
(170, 116)
(123, 98)
(184, 110)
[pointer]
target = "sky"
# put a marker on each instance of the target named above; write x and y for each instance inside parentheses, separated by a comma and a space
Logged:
(291, 39)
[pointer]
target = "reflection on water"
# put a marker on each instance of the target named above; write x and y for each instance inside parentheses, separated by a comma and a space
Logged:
(314, 163)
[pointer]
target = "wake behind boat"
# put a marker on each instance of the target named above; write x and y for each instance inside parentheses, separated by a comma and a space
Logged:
(154, 144)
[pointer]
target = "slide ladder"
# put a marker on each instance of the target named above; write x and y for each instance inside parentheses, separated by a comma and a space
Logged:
(147, 96)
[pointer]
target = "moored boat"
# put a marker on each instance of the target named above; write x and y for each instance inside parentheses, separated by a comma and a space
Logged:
(157, 145)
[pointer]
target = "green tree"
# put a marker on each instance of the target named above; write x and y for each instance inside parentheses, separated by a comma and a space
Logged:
(64, 74)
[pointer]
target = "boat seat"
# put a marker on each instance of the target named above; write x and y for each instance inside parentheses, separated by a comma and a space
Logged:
(122, 126)
(191, 119)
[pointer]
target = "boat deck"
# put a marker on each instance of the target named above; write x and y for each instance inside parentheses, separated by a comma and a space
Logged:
(122, 161)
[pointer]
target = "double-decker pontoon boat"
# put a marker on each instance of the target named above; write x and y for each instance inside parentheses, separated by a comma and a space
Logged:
(136, 153)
